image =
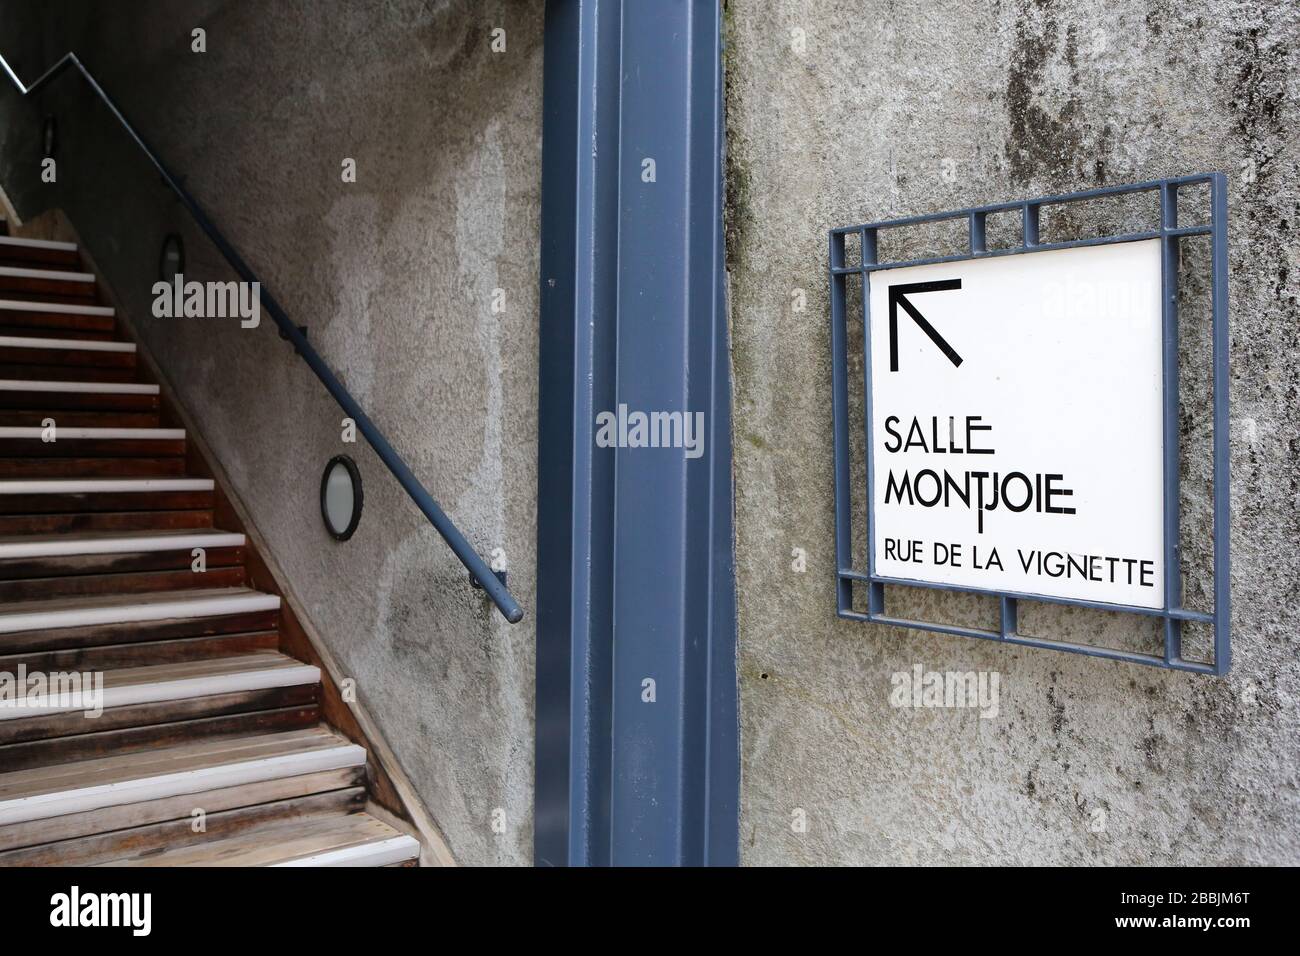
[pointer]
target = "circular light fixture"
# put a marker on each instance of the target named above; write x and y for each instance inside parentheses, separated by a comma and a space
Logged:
(341, 497)
(50, 136)
(171, 259)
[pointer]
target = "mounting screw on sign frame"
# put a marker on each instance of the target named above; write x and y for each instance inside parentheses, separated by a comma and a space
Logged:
(1021, 415)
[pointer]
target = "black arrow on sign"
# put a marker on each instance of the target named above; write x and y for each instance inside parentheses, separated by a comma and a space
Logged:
(898, 296)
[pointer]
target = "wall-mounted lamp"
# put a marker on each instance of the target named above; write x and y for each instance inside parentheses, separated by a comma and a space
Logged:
(171, 258)
(341, 497)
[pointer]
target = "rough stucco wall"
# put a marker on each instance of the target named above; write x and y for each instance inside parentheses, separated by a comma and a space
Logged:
(394, 276)
(1026, 97)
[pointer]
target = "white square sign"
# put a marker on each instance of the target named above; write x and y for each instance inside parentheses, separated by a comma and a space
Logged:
(1016, 425)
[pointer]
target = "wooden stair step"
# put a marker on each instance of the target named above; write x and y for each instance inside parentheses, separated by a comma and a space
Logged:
(78, 418)
(177, 681)
(43, 839)
(96, 434)
(40, 842)
(131, 633)
(118, 521)
(151, 838)
(47, 343)
(101, 610)
(48, 318)
(48, 737)
(43, 792)
(71, 387)
(121, 582)
(23, 557)
(92, 442)
(88, 310)
(60, 738)
(24, 369)
(32, 280)
(24, 324)
(87, 502)
(84, 402)
(56, 546)
(105, 657)
(143, 467)
(27, 393)
(46, 350)
(46, 496)
(354, 839)
(47, 355)
(93, 486)
(15, 250)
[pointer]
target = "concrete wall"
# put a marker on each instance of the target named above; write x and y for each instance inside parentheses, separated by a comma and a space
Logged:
(394, 275)
(895, 109)
(890, 109)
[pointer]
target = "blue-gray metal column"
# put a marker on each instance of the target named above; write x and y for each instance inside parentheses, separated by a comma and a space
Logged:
(637, 739)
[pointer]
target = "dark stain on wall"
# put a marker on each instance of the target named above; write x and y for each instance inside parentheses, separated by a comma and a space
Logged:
(1041, 145)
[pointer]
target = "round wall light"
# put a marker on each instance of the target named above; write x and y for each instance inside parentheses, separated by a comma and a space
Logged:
(49, 137)
(341, 497)
(171, 258)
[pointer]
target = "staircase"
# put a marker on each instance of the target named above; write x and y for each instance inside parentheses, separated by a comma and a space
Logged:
(210, 749)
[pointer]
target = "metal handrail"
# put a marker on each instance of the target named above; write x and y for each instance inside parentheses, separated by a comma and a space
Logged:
(479, 570)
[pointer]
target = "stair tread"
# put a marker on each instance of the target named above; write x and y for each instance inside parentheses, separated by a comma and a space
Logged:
(64, 434)
(115, 600)
(61, 275)
(106, 388)
(54, 308)
(188, 670)
(52, 614)
(25, 243)
(110, 535)
(179, 760)
(45, 342)
(181, 680)
(317, 840)
(70, 486)
(115, 542)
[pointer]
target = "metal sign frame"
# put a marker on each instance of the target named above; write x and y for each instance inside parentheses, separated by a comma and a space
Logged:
(1173, 613)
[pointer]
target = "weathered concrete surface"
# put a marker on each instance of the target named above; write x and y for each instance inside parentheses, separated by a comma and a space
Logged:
(395, 276)
(895, 109)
